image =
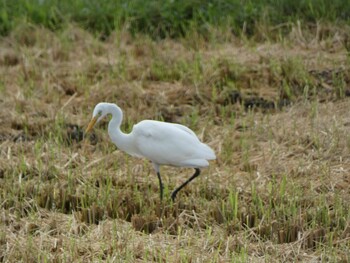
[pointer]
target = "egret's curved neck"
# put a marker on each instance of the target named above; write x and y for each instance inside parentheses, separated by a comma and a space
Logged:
(122, 140)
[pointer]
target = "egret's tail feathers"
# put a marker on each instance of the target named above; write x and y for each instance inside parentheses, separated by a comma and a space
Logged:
(195, 163)
(208, 152)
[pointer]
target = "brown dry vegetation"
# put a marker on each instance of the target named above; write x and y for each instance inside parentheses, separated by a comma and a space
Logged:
(276, 114)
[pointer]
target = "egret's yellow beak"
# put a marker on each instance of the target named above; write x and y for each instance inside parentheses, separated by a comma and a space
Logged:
(91, 124)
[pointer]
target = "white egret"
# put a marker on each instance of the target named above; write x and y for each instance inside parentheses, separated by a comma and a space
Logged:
(163, 143)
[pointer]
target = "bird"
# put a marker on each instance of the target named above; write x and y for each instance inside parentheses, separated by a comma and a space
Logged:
(163, 143)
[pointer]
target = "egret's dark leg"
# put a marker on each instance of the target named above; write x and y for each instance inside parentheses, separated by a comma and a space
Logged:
(160, 186)
(173, 195)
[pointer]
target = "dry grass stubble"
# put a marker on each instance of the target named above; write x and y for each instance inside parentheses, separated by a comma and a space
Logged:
(279, 190)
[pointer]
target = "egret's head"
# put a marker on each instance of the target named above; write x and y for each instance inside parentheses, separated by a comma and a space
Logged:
(100, 111)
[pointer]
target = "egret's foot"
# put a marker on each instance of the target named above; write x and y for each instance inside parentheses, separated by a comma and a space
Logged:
(173, 196)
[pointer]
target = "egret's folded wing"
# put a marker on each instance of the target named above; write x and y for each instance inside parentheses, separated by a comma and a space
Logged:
(166, 143)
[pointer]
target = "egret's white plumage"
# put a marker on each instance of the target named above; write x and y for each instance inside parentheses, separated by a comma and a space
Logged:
(162, 143)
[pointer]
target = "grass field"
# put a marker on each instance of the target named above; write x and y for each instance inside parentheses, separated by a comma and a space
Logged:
(274, 107)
